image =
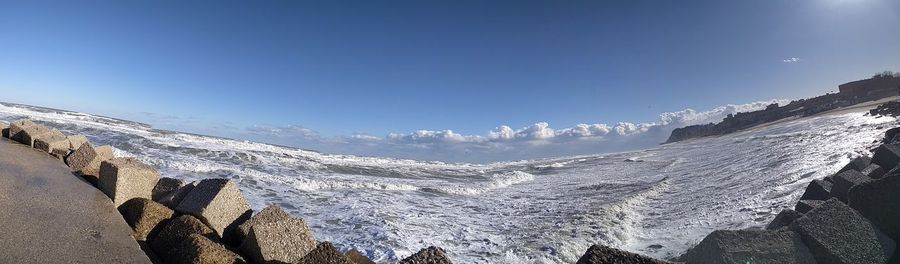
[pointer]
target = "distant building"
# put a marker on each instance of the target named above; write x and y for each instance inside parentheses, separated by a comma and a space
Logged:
(871, 88)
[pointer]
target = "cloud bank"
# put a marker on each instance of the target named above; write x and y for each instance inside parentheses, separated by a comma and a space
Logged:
(538, 140)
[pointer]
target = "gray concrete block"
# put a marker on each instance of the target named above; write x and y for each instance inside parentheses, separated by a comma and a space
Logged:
(804, 206)
(54, 144)
(879, 201)
(284, 241)
(172, 199)
(356, 257)
(873, 171)
(436, 255)
(75, 141)
(325, 253)
(197, 249)
(835, 233)
(86, 161)
(166, 185)
(846, 180)
(886, 156)
(783, 219)
(858, 164)
(750, 246)
(30, 133)
(817, 190)
(144, 216)
(123, 179)
(272, 213)
(219, 204)
(17, 127)
(167, 241)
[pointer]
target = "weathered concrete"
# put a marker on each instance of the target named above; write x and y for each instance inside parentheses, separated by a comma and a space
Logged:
(846, 180)
(879, 201)
(432, 255)
(29, 134)
(197, 249)
(284, 241)
(167, 242)
(783, 219)
(51, 216)
(86, 161)
(858, 164)
(172, 199)
(166, 185)
(17, 127)
(835, 233)
(75, 141)
(144, 215)
(804, 206)
(873, 171)
(125, 178)
(5, 130)
(886, 156)
(356, 257)
(56, 144)
(817, 190)
(218, 203)
(750, 246)
(597, 254)
(272, 213)
(325, 253)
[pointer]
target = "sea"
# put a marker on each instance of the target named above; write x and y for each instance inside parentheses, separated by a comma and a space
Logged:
(658, 202)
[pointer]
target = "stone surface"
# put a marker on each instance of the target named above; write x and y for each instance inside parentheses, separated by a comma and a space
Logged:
(164, 186)
(49, 215)
(598, 254)
(167, 241)
(873, 171)
(17, 127)
(125, 178)
(430, 255)
(172, 199)
(835, 233)
(55, 144)
(286, 241)
(75, 141)
(890, 133)
(750, 246)
(30, 133)
(325, 253)
(197, 249)
(859, 163)
(879, 201)
(846, 180)
(144, 215)
(886, 156)
(5, 130)
(356, 257)
(817, 190)
(804, 206)
(86, 161)
(270, 214)
(783, 219)
(219, 204)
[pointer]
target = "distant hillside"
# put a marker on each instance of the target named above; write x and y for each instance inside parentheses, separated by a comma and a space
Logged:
(879, 86)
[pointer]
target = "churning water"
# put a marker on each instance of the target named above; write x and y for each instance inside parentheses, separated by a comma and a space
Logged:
(659, 202)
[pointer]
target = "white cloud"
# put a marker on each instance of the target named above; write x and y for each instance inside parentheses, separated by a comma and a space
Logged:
(537, 140)
(791, 60)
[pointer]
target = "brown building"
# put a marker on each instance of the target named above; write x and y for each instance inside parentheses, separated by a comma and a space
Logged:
(871, 88)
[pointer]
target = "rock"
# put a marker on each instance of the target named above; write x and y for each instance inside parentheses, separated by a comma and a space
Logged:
(125, 178)
(219, 204)
(598, 254)
(873, 171)
(750, 246)
(356, 257)
(30, 133)
(879, 201)
(197, 249)
(5, 130)
(172, 199)
(846, 180)
(890, 133)
(284, 241)
(166, 185)
(783, 219)
(817, 190)
(144, 216)
(270, 214)
(167, 241)
(75, 141)
(433, 255)
(804, 206)
(86, 161)
(16, 129)
(886, 156)
(325, 253)
(54, 144)
(859, 163)
(835, 233)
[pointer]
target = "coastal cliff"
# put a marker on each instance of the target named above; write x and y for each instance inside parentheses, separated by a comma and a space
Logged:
(878, 87)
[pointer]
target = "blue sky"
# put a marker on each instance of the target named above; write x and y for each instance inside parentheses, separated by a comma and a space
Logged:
(328, 70)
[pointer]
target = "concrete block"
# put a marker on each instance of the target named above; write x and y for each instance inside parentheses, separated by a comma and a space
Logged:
(166, 185)
(4, 130)
(17, 127)
(125, 178)
(284, 241)
(75, 141)
(270, 214)
(356, 257)
(873, 171)
(879, 201)
(858, 164)
(750, 246)
(144, 216)
(173, 232)
(846, 180)
(29, 134)
(172, 199)
(835, 233)
(219, 204)
(817, 190)
(886, 156)
(804, 206)
(55, 144)
(436, 255)
(86, 161)
(783, 219)
(325, 253)
(197, 249)
(596, 254)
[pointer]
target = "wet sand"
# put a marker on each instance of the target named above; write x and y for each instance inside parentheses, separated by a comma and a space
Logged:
(49, 215)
